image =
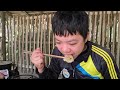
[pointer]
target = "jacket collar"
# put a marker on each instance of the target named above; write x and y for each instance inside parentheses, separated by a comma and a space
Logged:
(84, 55)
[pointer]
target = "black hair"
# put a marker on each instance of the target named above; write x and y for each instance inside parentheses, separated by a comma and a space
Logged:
(70, 22)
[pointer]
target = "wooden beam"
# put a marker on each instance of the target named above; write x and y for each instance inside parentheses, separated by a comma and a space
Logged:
(40, 12)
(25, 13)
(9, 13)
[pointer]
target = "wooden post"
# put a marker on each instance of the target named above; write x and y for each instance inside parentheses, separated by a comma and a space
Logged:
(3, 35)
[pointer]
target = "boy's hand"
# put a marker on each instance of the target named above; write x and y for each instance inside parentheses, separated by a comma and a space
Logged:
(37, 58)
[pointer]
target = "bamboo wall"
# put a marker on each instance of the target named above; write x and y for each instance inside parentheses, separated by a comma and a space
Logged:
(25, 33)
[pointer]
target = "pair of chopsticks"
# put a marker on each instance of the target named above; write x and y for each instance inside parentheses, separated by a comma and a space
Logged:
(49, 55)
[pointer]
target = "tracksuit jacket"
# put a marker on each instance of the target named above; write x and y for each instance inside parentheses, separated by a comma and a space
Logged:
(96, 62)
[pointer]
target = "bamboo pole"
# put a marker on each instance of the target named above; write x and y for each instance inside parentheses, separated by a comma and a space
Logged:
(26, 44)
(103, 30)
(3, 35)
(90, 25)
(99, 28)
(8, 32)
(108, 28)
(34, 21)
(95, 27)
(93, 19)
(113, 34)
(23, 43)
(41, 38)
(44, 36)
(35, 32)
(32, 36)
(18, 38)
(49, 31)
(118, 47)
(29, 41)
(38, 33)
(53, 37)
(13, 40)
(20, 46)
(29, 45)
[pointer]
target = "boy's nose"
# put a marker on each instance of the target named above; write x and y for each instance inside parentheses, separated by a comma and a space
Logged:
(65, 49)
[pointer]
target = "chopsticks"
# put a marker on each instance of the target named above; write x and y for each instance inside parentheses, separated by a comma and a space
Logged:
(49, 55)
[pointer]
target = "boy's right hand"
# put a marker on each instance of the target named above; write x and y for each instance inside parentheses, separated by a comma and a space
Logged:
(37, 58)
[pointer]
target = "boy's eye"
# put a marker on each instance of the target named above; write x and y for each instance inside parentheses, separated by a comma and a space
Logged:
(57, 42)
(73, 43)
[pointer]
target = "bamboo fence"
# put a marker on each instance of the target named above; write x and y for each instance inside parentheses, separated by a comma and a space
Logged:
(30, 32)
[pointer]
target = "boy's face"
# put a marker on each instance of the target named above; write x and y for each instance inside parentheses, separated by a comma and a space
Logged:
(70, 45)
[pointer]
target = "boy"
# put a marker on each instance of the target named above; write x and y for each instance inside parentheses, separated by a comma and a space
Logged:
(91, 61)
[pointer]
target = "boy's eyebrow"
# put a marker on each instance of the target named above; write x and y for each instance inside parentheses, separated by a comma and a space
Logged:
(69, 40)
(72, 40)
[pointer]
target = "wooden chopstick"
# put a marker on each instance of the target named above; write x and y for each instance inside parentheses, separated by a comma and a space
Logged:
(49, 55)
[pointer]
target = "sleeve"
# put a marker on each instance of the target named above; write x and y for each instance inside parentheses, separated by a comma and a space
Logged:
(110, 69)
(53, 70)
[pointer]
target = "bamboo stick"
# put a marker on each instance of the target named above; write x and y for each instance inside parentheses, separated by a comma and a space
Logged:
(118, 47)
(30, 39)
(38, 30)
(108, 28)
(14, 32)
(11, 38)
(26, 41)
(49, 34)
(90, 23)
(9, 44)
(103, 29)
(113, 33)
(100, 28)
(95, 27)
(22, 44)
(20, 48)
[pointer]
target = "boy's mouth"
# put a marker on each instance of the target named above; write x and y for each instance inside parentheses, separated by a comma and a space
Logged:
(68, 58)
(69, 55)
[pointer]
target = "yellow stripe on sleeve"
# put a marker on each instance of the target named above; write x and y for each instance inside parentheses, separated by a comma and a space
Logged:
(108, 60)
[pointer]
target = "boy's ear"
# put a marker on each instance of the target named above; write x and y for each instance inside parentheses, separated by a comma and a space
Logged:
(88, 38)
